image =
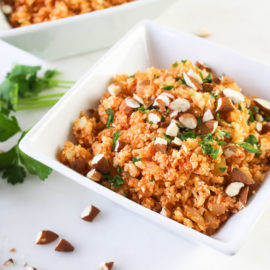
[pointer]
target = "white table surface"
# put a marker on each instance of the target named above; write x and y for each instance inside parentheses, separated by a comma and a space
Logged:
(116, 234)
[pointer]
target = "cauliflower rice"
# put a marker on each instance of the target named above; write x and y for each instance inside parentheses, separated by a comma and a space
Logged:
(182, 142)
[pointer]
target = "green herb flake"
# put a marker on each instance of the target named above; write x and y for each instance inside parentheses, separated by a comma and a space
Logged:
(213, 96)
(168, 138)
(251, 117)
(218, 117)
(132, 76)
(184, 61)
(240, 107)
(251, 139)
(115, 137)
(116, 181)
(134, 159)
(151, 180)
(207, 148)
(167, 87)
(109, 111)
(250, 148)
(255, 109)
(223, 169)
(187, 135)
(175, 64)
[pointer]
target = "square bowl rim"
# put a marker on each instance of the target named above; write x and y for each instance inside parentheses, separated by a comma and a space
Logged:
(227, 247)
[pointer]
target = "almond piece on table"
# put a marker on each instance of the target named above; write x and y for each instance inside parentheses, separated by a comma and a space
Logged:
(195, 76)
(180, 105)
(176, 142)
(64, 246)
(266, 128)
(45, 237)
(243, 196)
(263, 104)
(9, 262)
(100, 163)
(161, 145)
(172, 129)
(235, 96)
(233, 189)
(128, 105)
(94, 175)
(13, 250)
(224, 105)
(188, 120)
(119, 145)
(31, 268)
(89, 213)
(203, 33)
(207, 116)
(114, 89)
(154, 117)
(239, 175)
(208, 127)
(192, 82)
(106, 266)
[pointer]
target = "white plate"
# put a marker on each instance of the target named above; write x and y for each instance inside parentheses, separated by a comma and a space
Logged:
(82, 33)
(150, 44)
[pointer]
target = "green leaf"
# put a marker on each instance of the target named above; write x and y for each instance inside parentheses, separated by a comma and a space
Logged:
(115, 137)
(184, 61)
(119, 170)
(223, 169)
(222, 134)
(255, 109)
(116, 181)
(181, 80)
(187, 135)
(8, 158)
(251, 139)
(109, 111)
(167, 87)
(207, 148)
(251, 117)
(240, 108)
(14, 174)
(213, 96)
(9, 95)
(134, 159)
(50, 73)
(175, 64)
(22, 72)
(218, 117)
(250, 148)
(8, 127)
(151, 180)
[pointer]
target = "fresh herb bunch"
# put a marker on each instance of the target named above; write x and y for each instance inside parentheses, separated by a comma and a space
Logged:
(20, 91)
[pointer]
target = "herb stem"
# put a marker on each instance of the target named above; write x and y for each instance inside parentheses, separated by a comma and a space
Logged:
(34, 99)
(61, 81)
(42, 104)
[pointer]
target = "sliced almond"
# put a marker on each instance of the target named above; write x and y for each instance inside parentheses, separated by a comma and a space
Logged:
(192, 82)
(259, 118)
(188, 120)
(161, 145)
(7, 9)
(45, 237)
(176, 142)
(239, 175)
(141, 85)
(164, 98)
(243, 196)
(137, 98)
(94, 175)
(128, 105)
(230, 150)
(9, 262)
(100, 163)
(235, 96)
(202, 67)
(207, 116)
(266, 128)
(119, 145)
(224, 105)
(202, 32)
(195, 76)
(180, 105)
(263, 104)
(174, 114)
(172, 129)
(31, 268)
(233, 189)
(114, 89)
(106, 266)
(154, 117)
(89, 213)
(169, 95)
(208, 127)
(165, 212)
(79, 165)
(259, 126)
(64, 246)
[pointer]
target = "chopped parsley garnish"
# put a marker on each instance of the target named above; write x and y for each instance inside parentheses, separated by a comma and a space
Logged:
(115, 137)
(109, 111)
(199, 122)
(213, 96)
(251, 117)
(119, 170)
(187, 135)
(184, 61)
(255, 109)
(218, 117)
(167, 87)
(168, 138)
(162, 118)
(181, 80)
(143, 109)
(223, 169)
(248, 147)
(117, 180)
(207, 79)
(240, 108)
(222, 134)
(151, 180)
(132, 76)
(156, 76)
(134, 159)
(251, 139)
(150, 122)
(175, 64)
(207, 147)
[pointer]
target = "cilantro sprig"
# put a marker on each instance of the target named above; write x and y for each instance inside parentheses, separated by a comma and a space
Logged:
(110, 113)
(116, 180)
(249, 144)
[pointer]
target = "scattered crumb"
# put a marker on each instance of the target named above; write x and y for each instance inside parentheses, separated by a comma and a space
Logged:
(202, 32)
(9, 262)
(13, 250)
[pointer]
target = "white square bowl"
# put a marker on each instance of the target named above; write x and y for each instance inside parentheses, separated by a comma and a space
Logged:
(150, 44)
(82, 33)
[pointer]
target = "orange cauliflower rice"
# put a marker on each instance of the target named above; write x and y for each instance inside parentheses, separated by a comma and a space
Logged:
(182, 142)
(26, 12)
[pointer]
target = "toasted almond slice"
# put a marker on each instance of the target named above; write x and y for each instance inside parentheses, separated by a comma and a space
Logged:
(259, 118)
(202, 32)
(161, 145)
(180, 105)
(243, 196)
(165, 212)
(263, 104)
(169, 95)
(141, 85)
(94, 175)
(114, 89)
(224, 105)
(106, 266)
(119, 146)
(235, 96)
(176, 142)
(207, 87)
(234, 188)
(208, 127)
(230, 150)
(31, 268)
(45, 237)
(128, 105)
(165, 99)
(154, 117)
(137, 98)
(79, 165)
(202, 67)
(266, 128)
(259, 126)
(64, 246)
(195, 76)
(188, 120)
(7, 9)
(9, 262)
(89, 213)
(192, 82)
(132, 103)
(207, 116)
(239, 175)
(100, 163)
(172, 129)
